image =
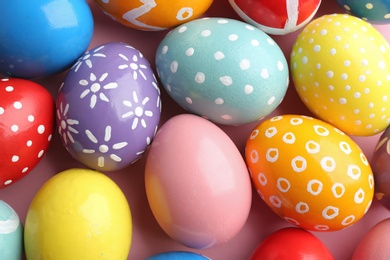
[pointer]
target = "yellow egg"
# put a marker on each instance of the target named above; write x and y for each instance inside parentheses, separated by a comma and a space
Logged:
(309, 172)
(341, 70)
(78, 214)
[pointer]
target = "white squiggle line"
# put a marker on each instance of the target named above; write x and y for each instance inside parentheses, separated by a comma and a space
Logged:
(10, 225)
(133, 14)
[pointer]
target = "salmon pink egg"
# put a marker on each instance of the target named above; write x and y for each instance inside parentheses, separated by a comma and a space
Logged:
(310, 173)
(340, 66)
(197, 183)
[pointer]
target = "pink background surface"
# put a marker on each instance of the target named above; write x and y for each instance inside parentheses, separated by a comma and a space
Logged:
(148, 237)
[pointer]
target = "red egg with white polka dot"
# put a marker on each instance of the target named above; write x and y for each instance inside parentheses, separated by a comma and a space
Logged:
(26, 127)
(309, 172)
(278, 16)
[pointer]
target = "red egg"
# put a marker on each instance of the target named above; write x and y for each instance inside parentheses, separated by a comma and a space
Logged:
(291, 243)
(26, 127)
(277, 16)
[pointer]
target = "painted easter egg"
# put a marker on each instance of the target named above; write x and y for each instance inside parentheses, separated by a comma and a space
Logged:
(197, 183)
(309, 173)
(178, 255)
(153, 15)
(374, 244)
(380, 164)
(340, 67)
(78, 214)
(42, 38)
(11, 233)
(291, 243)
(276, 17)
(109, 107)
(373, 11)
(222, 69)
(26, 127)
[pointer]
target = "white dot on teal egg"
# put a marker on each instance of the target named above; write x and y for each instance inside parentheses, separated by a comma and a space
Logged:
(174, 66)
(248, 89)
(164, 49)
(245, 64)
(280, 65)
(264, 73)
(270, 41)
(219, 101)
(200, 77)
(271, 100)
(205, 33)
(188, 100)
(226, 117)
(226, 80)
(190, 51)
(233, 37)
(250, 28)
(255, 43)
(219, 55)
(222, 21)
(182, 29)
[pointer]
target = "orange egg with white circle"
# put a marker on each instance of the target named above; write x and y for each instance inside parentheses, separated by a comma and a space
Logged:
(153, 15)
(309, 172)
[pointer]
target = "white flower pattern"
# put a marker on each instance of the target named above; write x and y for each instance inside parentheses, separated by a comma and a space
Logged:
(134, 66)
(137, 110)
(65, 128)
(86, 58)
(94, 88)
(104, 147)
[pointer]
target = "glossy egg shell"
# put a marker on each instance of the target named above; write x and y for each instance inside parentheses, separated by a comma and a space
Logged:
(340, 66)
(380, 164)
(197, 183)
(276, 17)
(11, 233)
(309, 172)
(291, 243)
(153, 15)
(109, 107)
(375, 243)
(225, 70)
(78, 214)
(42, 38)
(26, 127)
(178, 255)
(373, 11)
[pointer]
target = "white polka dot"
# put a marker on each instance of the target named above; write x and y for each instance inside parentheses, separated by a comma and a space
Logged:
(9, 88)
(381, 64)
(364, 62)
(222, 21)
(280, 66)
(41, 152)
(219, 55)
(200, 77)
(353, 171)
(317, 48)
(30, 118)
(1, 110)
(328, 164)
(272, 154)
(250, 28)
(271, 100)
(15, 158)
(219, 101)
(7, 182)
(270, 41)
(333, 51)
(14, 128)
(164, 49)
(343, 101)
(302, 207)
(329, 74)
(226, 80)
(25, 169)
(248, 89)
(182, 29)
(41, 129)
(205, 33)
(314, 187)
(283, 184)
(188, 100)
(255, 43)
(362, 78)
(344, 76)
(233, 37)
(18, 105)
(174, 66)
(298, 164)
(29, 143)
(338, 190)
(330, 212)
(226, 117)
(347, 63)
(264, 74)
(245, 64)
(190, 51)
(305, 59)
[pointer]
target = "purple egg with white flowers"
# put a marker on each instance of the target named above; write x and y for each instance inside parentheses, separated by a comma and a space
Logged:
(109, 107)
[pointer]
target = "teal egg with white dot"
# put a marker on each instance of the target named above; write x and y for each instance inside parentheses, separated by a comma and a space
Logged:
(11, 233)
(223, 69)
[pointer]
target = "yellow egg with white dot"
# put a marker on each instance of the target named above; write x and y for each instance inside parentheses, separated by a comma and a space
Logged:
(309, 172)
(341, 70)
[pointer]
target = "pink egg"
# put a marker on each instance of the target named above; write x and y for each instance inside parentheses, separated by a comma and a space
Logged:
(375, 244)
(197, 183)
